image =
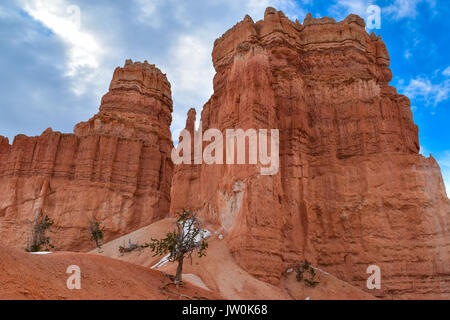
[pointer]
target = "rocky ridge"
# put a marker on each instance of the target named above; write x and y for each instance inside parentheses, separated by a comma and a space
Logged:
(115, 168)
(352, 189)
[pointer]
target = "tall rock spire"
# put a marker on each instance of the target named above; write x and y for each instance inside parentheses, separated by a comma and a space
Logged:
(352, 189)
(116, 168)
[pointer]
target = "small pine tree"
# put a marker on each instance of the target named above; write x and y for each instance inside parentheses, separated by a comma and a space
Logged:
(39, 239)
(303, 267)
(97, 232)
(182, 242)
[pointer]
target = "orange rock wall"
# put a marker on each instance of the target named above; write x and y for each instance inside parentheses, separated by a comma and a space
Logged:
(116, 167)
(352, 189)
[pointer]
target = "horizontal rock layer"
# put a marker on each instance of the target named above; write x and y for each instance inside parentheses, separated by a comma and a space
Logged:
(115, 168)
(352, 189)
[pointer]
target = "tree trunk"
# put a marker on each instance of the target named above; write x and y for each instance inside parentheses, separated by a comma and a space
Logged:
(179, 270)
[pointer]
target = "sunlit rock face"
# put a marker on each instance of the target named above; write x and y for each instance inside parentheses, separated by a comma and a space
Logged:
(115, 168)
(352, 189)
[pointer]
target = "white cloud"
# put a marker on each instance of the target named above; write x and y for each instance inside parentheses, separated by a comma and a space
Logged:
(446, 72)
(423, 88)
(187, 59)
(407, 54)
(190, 68)
(401, 9)
(148, 12)
(397, 9)
(358, 7)
(177, 36)
(83, 48)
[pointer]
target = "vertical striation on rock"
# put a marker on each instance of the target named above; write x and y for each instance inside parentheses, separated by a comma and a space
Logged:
(352, 189)
(116, 167)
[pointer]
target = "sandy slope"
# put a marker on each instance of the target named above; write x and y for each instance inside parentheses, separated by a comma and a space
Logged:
(111, 275)
(27, 276)
(220, 273)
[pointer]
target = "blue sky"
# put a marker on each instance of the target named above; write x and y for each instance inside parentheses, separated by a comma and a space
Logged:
(57, 56)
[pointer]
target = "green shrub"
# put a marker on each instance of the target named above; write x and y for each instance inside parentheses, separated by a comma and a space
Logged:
(300, 270)
(96, 232)
(182, 242)
(39, 240)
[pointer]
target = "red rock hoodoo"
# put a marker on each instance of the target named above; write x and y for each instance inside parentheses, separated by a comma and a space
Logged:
(116, 167)
(352, 189)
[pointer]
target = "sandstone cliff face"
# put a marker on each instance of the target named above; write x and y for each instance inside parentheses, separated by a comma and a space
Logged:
(116, 167)
(352, 189)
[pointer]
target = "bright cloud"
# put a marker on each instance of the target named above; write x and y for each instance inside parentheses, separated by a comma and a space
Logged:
(423, 88)
(177, 36)
(446, 72)
(84, 50)
(358, 7)
(190, 69)
(188, 55)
